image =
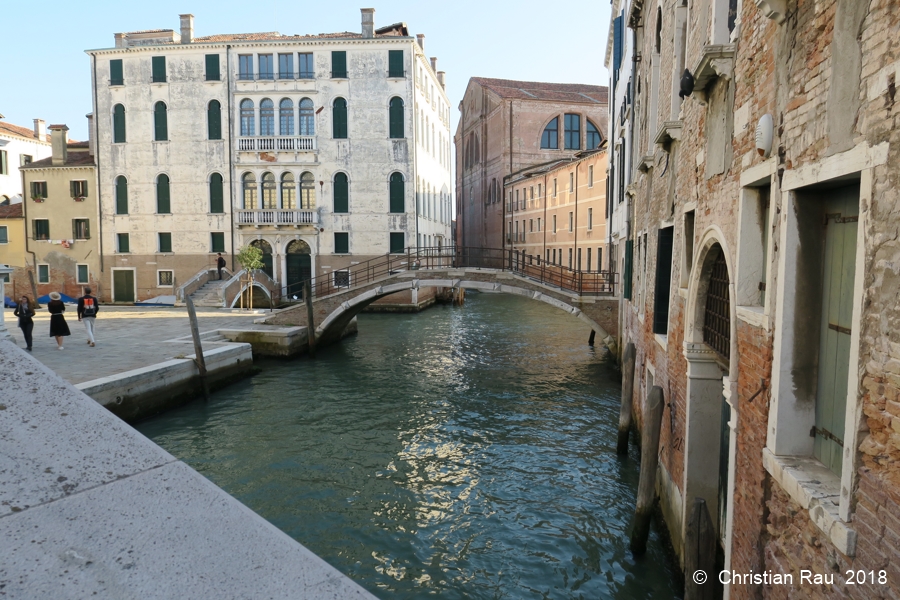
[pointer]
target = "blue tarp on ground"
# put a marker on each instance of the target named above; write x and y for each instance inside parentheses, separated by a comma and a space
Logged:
(8, 303)
(63, 297)
(157, 301)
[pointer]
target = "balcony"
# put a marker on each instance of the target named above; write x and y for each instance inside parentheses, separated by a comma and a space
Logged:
(279, 143)
(276, 217)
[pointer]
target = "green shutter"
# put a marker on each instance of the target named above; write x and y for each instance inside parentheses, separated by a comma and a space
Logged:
(4, 166)
(83, 274)
(212, 67)
(395, 63)
(161, 122)
(663, 285)
(216, 194)
(339, 114)
(159, 69)
(123, 242)
(214, 120)
(397, 202)
(163, 205)
(339, 64)
(121, 196)
(218, 241)
(396, 118)
(341, 194)
(72, 188)
(341, 243)
(118, 124)
(115, 72)
(165, 242)
(398, 240)
(626, 275)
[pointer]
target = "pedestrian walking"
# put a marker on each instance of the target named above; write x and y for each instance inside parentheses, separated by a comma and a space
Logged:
(25, 312)
(88, 307)
(58, 326)
(220, 264)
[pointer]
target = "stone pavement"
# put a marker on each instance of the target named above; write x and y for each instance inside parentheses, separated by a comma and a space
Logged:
(127, 338)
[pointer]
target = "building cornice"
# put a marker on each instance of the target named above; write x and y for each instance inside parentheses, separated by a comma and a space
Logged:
(245, 43)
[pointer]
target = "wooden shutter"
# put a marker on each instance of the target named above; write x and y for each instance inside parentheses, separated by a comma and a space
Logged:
(339, 64)
(397, 242)
(123, 242)
(212, 67)
(214, 120)
(218, 242)
(663, 280)
(397, 203)
(396, 118)
(163, 205)
(341, 243)
(161, 122)
(121, 196)
(340, 118)
(118, 124)
(395, 63)
(216, 194)
(341, 194)
(115, 72)
(72, 191)
(159, 69)
(627, 274)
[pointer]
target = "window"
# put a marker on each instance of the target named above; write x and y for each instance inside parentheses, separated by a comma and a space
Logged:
(339, 119)
(307, 71)
(539, 224)
(118, 124)
(214, 120)
(550, 137)
(121, 195)
(554, 223)
(539, 190)
(24, 159)
(339, 64)
(307, 117)
(397, 193)
(570, 258)
(573, 132)
(341, 242)
(43, 273)
(753, 242)
(266, 117)
(266, 67)
(341, 193)
(554, 187)
(593, 136)
(81, 229)
(164, 241)
(395, 63)
(663, 280)
(4, 234)
(590, 219)
(248, 118)
(160, 122)
(159, 69)
(212, 67)
(398, 240)
(163, 205)
(341, 279)
(269, 191)
(288, 191)
(286, 116)
(217, 239)
(216, 194)
(248, 183)
(115, 72)
(38, 189)
(78, 188)
(571, 182)
(165, 278)
(396, 118)
(4, 163)
(590, 176)
(245, 67)
(82, 275)
(627, 270)
(285, 66)
(588, 260)
(307, 191)
(571, 223)
(122, 243)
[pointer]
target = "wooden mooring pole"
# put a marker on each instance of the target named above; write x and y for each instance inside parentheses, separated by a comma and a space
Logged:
(646, 497)
(310, 324)
(700, 555)
(627, 398)
(591, 338)
(198, 348)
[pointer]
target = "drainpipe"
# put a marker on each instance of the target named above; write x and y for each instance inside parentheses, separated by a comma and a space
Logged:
(93, 134)
(575, 258)
(510, 154)
(27, 249)
(230, 149)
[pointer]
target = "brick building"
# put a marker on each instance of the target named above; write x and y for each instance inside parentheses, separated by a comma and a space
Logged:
(761, 279)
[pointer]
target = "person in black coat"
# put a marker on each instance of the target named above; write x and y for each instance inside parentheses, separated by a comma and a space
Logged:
(58, 326)
(25, 312)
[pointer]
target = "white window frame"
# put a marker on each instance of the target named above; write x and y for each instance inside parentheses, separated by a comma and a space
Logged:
(39, 272)
(159, 283)
(74, 228)
(5, 234)
(77, 279)
(334, 275)
(749, 248)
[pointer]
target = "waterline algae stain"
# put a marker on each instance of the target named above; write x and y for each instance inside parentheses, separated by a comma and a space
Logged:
(456, 453)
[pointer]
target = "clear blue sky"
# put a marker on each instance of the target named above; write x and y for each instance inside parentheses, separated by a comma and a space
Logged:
(46, 74)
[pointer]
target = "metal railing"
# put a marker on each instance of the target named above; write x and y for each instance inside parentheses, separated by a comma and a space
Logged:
(295, 143)
(275, 76)
(276, 216)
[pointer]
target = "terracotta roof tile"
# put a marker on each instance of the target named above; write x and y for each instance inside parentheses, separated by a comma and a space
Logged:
(555, 92)
(11, 211)
(74, 159)
(25, 132)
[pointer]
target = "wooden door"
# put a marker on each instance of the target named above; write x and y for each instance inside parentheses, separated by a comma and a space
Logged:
(299, 269)
(123, 286)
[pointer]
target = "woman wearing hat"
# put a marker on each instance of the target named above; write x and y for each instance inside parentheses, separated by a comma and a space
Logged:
(58, 326)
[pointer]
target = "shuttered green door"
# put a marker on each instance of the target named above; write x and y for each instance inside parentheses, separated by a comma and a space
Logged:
(123, 286)
(842, 211)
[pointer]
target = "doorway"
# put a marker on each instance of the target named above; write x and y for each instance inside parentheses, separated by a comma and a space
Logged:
(266, 249)
(298, 265)
(123, 285)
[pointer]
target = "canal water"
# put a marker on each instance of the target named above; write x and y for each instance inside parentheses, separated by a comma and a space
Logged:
(455, 453)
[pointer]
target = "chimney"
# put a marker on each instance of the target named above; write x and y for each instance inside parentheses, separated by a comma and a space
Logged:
(368, 22)
(120, 40)
(59, 139)
(434, 63)
(90, 118)
(187, 28)
(441, 75)
(40, 130)
(420, 37)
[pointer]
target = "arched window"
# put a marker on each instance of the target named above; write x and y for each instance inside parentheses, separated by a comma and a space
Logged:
(248, 182)
(396, 118)
(550, 137)
(248, 118)
(160, 122)
(266, 117)
(398, 191)
(214, 120)
(339, 119)
(216, 194)
(307, 191)
(658, 40)
(269, 191)
(163, 204)
(476, 151)
(121, 195)
(118, 124)
(286, 117)
(593, 136)
(573, 132)
(341, 193)
(288, 191)
(307, 117)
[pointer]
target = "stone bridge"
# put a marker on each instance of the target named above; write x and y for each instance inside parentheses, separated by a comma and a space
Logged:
(332, 314)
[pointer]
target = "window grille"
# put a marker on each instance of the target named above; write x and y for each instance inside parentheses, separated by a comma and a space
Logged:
(716, 320)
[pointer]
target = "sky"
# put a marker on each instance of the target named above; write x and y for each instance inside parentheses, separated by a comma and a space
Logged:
(47, 76)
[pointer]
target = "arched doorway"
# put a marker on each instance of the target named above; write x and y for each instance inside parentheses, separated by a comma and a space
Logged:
(266, 248)
(298, 266)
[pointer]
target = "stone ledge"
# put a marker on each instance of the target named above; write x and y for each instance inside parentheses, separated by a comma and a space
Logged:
(754, 315)
(815, 488)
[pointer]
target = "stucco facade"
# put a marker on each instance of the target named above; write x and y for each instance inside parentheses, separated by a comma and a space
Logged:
(12, 239)
(19, 146)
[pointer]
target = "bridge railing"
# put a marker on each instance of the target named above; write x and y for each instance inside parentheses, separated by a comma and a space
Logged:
(585, 283)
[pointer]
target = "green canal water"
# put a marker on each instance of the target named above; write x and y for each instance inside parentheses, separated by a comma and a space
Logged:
(455, 453)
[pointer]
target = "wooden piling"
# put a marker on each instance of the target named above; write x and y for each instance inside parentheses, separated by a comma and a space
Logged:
(310, 323)
(591, 338)
(198, 348)
(646, 497)
(700, 555)
(627, 398)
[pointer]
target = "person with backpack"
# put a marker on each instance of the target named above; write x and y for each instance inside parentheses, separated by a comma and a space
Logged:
(88, 307)
(220, 264)
(25, 312)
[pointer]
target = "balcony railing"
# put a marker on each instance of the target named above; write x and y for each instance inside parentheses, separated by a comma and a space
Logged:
(276, 76)
(280, 143)
(276, 217)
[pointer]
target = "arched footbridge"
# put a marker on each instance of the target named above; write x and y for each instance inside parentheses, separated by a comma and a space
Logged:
(339, 296)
